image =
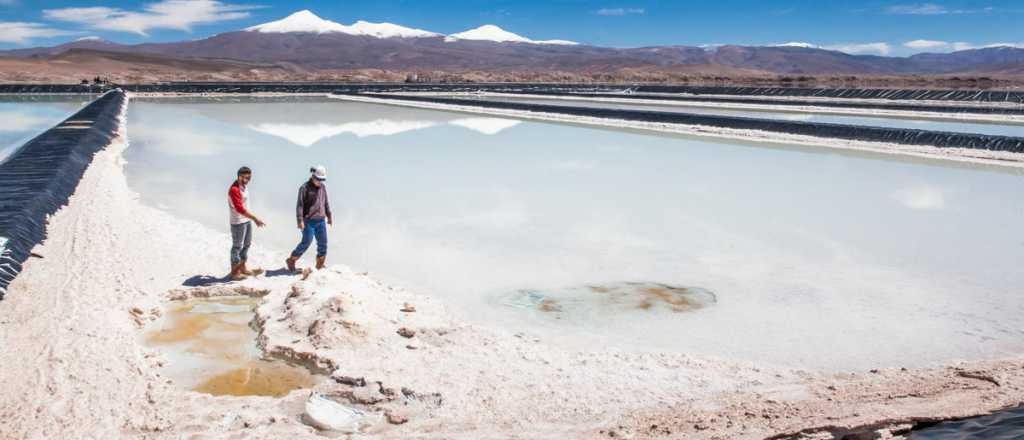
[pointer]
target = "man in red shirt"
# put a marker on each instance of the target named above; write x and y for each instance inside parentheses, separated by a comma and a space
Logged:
(241, 226)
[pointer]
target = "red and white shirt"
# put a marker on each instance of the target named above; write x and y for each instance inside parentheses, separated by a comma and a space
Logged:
(238, 199)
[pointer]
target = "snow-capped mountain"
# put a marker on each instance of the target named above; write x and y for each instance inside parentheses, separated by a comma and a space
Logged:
(304, 42)
(490, 32)
(306, 21)
(797, 44)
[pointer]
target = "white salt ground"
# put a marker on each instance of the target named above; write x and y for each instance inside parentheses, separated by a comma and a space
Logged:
(72, 324)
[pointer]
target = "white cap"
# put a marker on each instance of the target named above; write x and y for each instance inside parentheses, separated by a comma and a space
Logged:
(319, 172)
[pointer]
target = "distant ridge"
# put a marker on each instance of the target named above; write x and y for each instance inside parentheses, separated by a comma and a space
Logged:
(305, 42)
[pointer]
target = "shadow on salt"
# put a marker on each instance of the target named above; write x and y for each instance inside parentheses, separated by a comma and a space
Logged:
(212, 349)
(594, 301)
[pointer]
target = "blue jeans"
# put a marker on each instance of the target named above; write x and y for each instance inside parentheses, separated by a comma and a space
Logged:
(313, 228)
(241, 239)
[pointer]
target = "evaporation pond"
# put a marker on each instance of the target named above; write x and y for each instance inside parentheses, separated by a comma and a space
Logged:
(25, 117)
(211, 348)
(775, 253)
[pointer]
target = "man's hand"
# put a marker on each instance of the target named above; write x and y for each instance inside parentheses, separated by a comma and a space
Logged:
(259, 223)
(302, 226)
(330, 221)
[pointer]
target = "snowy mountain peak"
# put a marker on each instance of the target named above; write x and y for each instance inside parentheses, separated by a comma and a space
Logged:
(388, 30)
(490, 32)
(306, 21)
(302, 21)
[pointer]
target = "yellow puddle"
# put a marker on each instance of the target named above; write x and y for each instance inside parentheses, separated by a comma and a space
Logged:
(212, 349)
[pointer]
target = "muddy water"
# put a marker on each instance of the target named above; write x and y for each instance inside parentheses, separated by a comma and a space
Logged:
(212, 349)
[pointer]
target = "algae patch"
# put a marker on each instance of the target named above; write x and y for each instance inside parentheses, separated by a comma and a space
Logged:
(612, 298)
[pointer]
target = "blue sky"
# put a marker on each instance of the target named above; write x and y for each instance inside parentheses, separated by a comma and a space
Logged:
(869, 27)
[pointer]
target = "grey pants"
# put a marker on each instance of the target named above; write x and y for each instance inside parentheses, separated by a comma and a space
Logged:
(241, 238)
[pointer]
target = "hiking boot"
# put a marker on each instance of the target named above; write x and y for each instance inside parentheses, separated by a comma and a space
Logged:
(236, 273)
(244, 270)
(320, 262)
(290, 263)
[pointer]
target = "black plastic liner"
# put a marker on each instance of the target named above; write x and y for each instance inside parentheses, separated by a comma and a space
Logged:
(904, 136)
(881, 105)
(900, 94)
(38, 179)
(257, 87)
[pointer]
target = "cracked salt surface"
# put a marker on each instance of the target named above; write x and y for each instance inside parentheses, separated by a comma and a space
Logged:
(818, 258)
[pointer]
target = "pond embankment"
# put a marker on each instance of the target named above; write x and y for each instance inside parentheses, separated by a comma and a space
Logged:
(38, 178)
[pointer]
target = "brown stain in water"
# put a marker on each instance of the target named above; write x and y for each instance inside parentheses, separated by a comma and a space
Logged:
(550, 305)
(673, 296)
(258, 379)
(222, 339)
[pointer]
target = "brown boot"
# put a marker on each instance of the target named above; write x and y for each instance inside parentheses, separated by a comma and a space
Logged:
(251, 272)
(236, 273)
(244, 270)
(320, 262)
(290, 263)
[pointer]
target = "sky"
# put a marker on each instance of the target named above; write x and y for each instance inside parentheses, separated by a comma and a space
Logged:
(876, 27)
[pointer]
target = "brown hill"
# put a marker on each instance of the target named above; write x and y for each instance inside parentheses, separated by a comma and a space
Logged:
(73, 65)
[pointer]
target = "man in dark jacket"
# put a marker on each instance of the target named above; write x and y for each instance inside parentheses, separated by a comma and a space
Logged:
(313, 214)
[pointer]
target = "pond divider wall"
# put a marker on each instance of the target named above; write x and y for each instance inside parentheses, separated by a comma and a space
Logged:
(904, 136)
(39, 178)
(990, 96)
(881, 105)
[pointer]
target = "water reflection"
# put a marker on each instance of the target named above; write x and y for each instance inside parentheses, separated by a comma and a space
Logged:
(896, 260)
(23, 120)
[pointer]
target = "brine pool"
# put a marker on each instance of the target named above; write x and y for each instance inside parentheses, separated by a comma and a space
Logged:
(25, 117)
(772, 253)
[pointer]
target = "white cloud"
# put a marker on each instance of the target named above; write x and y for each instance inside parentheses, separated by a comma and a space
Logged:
(940, 46)
(21, 32)
(862, 48)
(617, 12)
(932, 9)
(925, 44)
(918, 9)
(945, 46)
(166, 14)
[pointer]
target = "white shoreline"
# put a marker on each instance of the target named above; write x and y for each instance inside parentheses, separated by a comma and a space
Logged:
(987, 157)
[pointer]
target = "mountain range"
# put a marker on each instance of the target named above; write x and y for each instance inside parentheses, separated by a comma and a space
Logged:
(304, 42)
